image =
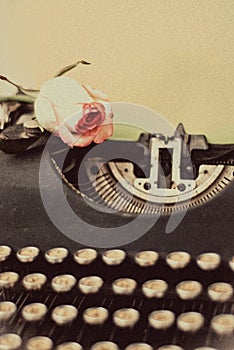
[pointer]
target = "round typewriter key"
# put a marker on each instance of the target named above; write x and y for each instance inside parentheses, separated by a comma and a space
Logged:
(10, 341)
(39, 343)
(190, 321)
(178, 260)
(124, 286)
(104, 345)
(139, 346)
(155, 288)
(146, 258)
(34, 281)
(7, 310)
(8, 279)
(188, 290)
(220, 292)
(161, 319)
(69, 346)
(114, 256)
(63, 314)
(27, 254)
(170, 347)
(63, 283)
(56, 255)
(223, 324)
(208, 261)
(34, 312)
(95, 315)
(126, 317)
(90, 285)
(205, 348)
(5, 251)
(231, 263)
(85, 256)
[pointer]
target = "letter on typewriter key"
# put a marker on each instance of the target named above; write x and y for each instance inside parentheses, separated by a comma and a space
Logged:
(85, 256)
(90, 285)
(220, 292)
(69, 346)
(39, 343)
(178, 260)
(126, 317)
(139, 346)
(146, 258)
(113, 256)
(104, 345)
(124, 286)
(63, 314)
(161, 319)
(27, 254)
(188, 290)
(7, 310)
(10, 342)
(8, 279)
(5, 251)
(63, 283)
(95, 315)
(34, 281)
(56, 255)
(34, 312)
(154, 288)
(208, 261)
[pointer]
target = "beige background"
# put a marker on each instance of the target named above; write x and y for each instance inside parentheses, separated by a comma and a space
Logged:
(173, 56)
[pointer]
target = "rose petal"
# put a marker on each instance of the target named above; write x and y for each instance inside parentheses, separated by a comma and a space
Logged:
(105, 132)
(95, 93)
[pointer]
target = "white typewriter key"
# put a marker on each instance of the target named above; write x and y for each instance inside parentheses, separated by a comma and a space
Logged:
(190, 321)
(63, 283)
(39, 343)
(146, 258)
(161, 319)
(27, 254)
(8, 279)
(208, 261)
(95, 315)
(34, 312)
(220, 292)
(34, 281)
(104, 345)
(205, 348)
(154, 288)
(231, 263)
(90, 285)
(5, 251)
(126, 317)
(69, 346)
(114, 256)
(223, 324)
(85, 256)
(63, 314)
(139, 346)
(178, 260)
(56, 255)
(170, 347)
(124, 286)
(7, 310)
(10, 341)
(188, 290)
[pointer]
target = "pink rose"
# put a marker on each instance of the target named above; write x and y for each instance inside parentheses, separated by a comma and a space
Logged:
(76, 113)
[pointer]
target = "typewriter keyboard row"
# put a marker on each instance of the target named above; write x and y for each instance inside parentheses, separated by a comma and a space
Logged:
(115, 300)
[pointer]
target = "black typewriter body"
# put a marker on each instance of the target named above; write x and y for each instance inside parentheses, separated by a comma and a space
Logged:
(206, 228)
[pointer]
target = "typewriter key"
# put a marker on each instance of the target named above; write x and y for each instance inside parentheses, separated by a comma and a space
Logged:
(34, 312)
(124, 286)
(205, 348)
(126, 317)
(69, 346)
(5, 251)
(231, 263)
(170, 347)
(220, 292)
(139, 346)
(104, 345)
(223, 324)
(161, 319)
(56, 255)
(85, 256)
(63, 314)
(34, 281)
(178, 260)
(114, 256)
(154, 288)
(188, 290)
(39, 343)
(95, 315)
(10, 341)
(8, 279)
(63, 283)
(27, 254)
(190, 321)
(7, 310)
(208, 261)
(146, 258)
(90, 285)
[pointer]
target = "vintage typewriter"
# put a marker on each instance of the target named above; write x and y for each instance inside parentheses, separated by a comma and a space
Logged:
(170, 287)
